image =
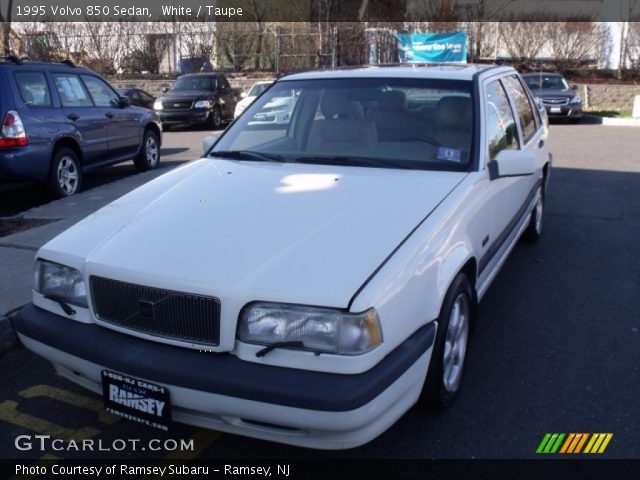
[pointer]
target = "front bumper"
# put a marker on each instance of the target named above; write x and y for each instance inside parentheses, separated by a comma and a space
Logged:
(184, 117)
(564, 111)
(222, 392)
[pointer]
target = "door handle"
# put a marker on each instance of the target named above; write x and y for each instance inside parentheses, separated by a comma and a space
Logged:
(541, 144)
(108, 115)
(73, 116)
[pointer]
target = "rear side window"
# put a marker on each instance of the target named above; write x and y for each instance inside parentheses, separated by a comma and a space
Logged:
(102, 94)
(501, 124)
(72, 92)
(523, 107)
(33, 89)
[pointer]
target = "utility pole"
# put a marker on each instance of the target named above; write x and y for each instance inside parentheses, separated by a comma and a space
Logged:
(7, 30)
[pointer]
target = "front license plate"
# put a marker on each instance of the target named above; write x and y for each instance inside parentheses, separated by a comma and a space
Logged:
(555, 109)
(136, 400)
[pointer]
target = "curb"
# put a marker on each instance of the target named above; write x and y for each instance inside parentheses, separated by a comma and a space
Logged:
(8, 337)
(613, 122)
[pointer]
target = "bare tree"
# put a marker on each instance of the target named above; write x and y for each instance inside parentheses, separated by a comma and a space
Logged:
(257, 10)
(524, 40)
(574, 43)
(633, 45)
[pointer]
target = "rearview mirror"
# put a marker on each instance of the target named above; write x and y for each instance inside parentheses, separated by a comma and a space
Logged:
(165, 89)
(512, 163)
(574, 87)
(207, 143)
(243, 95)
(124, 102)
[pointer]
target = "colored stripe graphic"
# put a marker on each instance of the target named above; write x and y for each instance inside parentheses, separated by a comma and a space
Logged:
(574, 442)
(550, 443)
(598, 442)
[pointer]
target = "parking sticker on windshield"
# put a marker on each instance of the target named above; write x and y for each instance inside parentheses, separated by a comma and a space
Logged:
(449, 154)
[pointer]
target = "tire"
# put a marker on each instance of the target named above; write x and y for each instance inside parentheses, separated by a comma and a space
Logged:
(216, 118)
(449, 356)
(65, 178)
(149, 156)
(534, 229)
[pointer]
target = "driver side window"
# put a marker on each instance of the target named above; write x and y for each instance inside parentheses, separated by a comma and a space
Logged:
(500, 122)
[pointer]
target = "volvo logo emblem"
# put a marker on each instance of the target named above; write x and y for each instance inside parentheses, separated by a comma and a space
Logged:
(146, 308)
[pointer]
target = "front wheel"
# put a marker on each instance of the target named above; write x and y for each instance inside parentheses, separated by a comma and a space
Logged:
(448, 359)
(149, 156)
(534, 229)
(66, 173)
(216, 118)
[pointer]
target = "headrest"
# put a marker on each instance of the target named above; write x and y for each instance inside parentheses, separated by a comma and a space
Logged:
(454, 111)
(393, 100)
(334, 102)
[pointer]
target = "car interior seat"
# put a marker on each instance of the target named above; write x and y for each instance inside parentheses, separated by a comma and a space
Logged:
(343, 127)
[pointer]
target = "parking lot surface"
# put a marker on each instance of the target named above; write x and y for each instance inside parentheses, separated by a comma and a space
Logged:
(556, 349)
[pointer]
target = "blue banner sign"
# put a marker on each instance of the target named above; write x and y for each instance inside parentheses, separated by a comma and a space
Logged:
(432, 47)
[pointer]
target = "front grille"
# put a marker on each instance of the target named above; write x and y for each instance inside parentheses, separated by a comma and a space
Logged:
(164, 313)
(178, 105)
(555, 101)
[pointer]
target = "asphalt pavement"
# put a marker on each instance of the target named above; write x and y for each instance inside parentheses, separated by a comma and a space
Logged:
(556, 349)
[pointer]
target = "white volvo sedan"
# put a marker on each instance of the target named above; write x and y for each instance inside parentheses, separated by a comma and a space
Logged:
(304, 282)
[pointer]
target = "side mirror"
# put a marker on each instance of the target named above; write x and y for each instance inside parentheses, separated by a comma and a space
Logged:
(124, 102)
(165, 89)
(574, 87)
(207, 143)
(243, 95)
(512, 163)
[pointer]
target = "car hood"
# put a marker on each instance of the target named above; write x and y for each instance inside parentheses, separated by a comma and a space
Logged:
(245, 102)
(305, 234)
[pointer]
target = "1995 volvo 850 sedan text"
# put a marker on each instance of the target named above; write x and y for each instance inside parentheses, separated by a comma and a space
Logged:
(328, 268)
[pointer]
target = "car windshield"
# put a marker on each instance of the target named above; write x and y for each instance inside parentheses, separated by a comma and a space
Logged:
(424, 124)
(257, 89)
(194, 83)
(546, 82)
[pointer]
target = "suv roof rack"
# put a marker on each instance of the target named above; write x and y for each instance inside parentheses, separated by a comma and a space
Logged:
(68, 62)
(13, 59)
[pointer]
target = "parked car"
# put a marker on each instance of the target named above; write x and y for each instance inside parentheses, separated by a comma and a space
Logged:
(248, 97)
(559, 99)
(332, 268)
(197, 99)
(60, 121)
(137, 97)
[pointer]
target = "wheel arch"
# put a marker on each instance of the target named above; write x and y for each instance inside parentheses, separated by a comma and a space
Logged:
(70, 143)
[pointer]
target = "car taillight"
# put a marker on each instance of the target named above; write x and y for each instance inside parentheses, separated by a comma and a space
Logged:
(12, 133)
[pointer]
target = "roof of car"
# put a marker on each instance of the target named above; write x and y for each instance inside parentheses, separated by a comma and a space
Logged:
(452, 71)
(57, 65)
(546, 74)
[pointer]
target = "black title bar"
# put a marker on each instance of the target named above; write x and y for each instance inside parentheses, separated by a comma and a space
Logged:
(318, 10)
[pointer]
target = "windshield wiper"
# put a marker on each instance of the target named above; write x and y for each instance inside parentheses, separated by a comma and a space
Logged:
(273, 346)
(63, 304)
(359, 162)
(248, 155)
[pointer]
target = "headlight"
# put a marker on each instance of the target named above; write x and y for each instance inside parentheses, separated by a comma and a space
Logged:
(157, 105)
(576, 99)
(203, 104)
(319, 329)
(65, 283)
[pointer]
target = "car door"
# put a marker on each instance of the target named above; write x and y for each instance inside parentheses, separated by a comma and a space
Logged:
(88, 120)
(123, 126)
(504, 116)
